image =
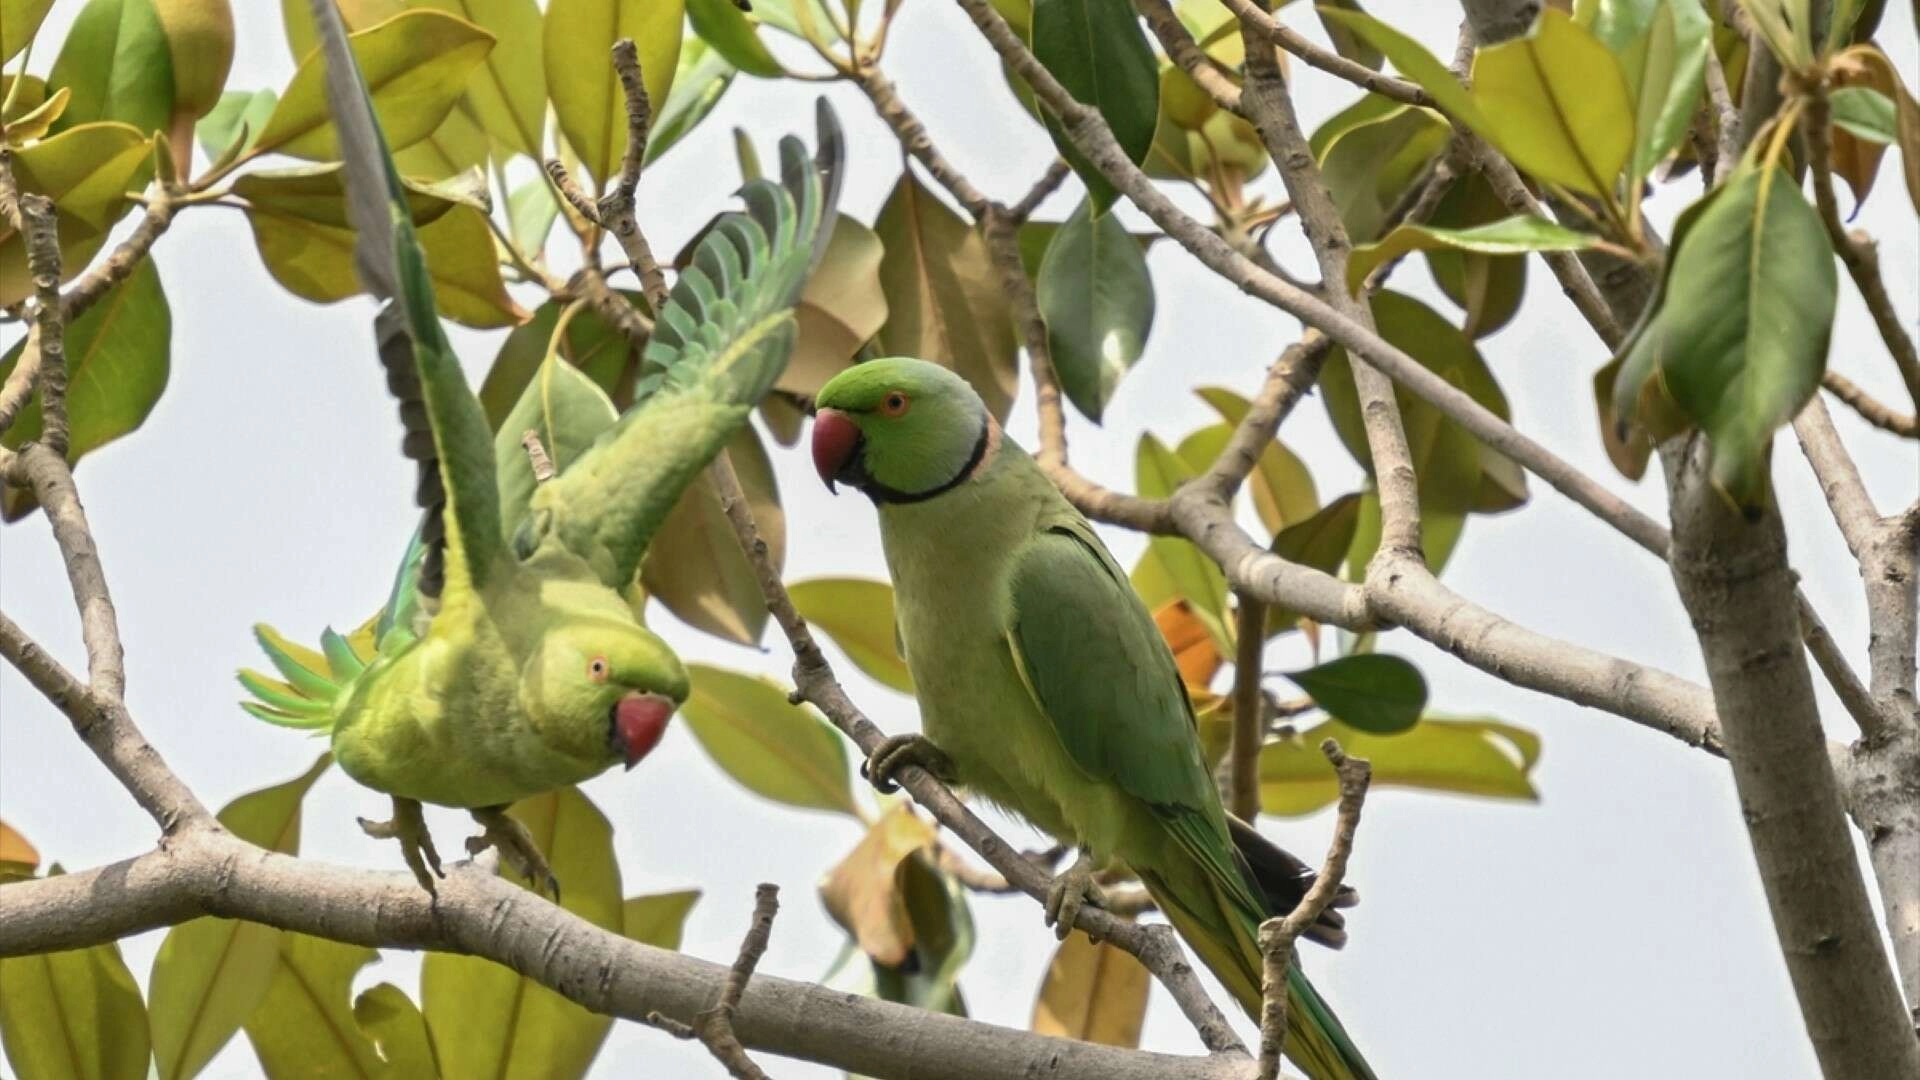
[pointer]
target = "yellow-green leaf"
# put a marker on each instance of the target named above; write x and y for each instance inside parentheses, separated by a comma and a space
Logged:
(73, 1014)
(775, 749)
(415, 64)
(489, 1020)
(1516, 235)
(15, 849)
(1462, 756)
(1283, 491)
(564, 408)
(699, 78)
(1557, 104)
(1173, 567)
(732, 32)
(1094, 993)
(296, 18)
(864, 891)
(509, 94)
(392, 1022)
(116, 62)
(858, 615)
(586, 95)
(1370, 166)
(304, 1026)
(659, 919)
(19, 21)
(118, 353)
(34, 123)
(314, 260)
(232, 125)
(86, 171)
(695, 566)
(944, 298)
(200, 42)
(601, 352)
(1413, 60)
(212, 973)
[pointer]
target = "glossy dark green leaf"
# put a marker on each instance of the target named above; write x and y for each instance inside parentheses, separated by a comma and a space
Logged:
(212, 973)
(1739, 339)
(1486, 758)
(659, 919)
(858, 615)
(118, 354)
(1098, 51)
(304, 1026)
(489, 1020)
(1322, 542)
(1370, 166)
(945, 302)
(774, 748)
(116, 62)
(392, 1022)
(1371, 692)
(1097, 299)
(74, 1014)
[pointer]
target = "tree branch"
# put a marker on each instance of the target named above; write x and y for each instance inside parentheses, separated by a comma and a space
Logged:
(1870, 409)
(1263, 24)
(714, 1026)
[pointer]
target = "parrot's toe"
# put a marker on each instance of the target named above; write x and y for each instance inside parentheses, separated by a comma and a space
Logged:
(516, 845)
(1072, 889)
(409, 826)
(900, 751)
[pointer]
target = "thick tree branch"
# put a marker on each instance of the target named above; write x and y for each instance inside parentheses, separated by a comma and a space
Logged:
(1278, 934)
(208, 872)
(1185, 52)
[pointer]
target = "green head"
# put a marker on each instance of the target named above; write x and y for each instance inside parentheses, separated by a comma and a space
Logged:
(899, 429)
(600, 689)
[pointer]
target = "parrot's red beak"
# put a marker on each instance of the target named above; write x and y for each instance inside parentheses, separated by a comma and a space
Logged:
(836, 438)
(638, 722)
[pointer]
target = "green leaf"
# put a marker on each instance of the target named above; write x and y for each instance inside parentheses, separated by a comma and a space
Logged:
(31, 125)
(1439, 534)
(1345, 41)
(1556, 102)
(489, 1020)
(1457, 474)
(1099, 53)
(1627, 445)
(313, 259)
(87, 171)
(732, 33)
(699, 79)
(1173, 568)
(116, 63)
(1322, 542)
(567, 411)
(304, 1026)
(531, 211)
(211, 973)
(392, 1022)
(19, 21)
(1865, 112)
(296, 18)
(415, 64)
(75, 1013)
(1284, 492)
(1466, 757)
(1662, 49)
(1371, 692)
(660, 919)
(118, 354)
(235, 123)
(695, 566)
(858, 615)
(1488, 287)
(317, 193)
(1369, 109)
(509, 95)
(586, 95)
(944, 298)
(1373, 163)
(774, 748)
(1413, 60)
(601, 352)
(1097, 299)
(1511, 236)
(1739, 336)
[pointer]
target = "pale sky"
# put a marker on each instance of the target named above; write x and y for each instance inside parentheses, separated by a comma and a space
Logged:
(1616, 928)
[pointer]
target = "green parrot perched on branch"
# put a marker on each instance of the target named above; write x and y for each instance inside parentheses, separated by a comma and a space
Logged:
(507, 661)
(1045, 686)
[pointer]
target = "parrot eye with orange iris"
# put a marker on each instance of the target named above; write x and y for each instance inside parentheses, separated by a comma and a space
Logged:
(597, 669)
(896, 404)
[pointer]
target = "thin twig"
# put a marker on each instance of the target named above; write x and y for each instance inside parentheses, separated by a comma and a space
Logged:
(537, 458)
(1330, 62)
(617, 210)
(1871, 409)
(714, 1026)
(1049, 182)
(1249, 709)
(1205, 72)
(1278, 934)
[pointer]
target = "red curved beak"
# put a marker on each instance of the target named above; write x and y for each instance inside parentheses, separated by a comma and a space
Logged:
(639, 720)
(835, 439)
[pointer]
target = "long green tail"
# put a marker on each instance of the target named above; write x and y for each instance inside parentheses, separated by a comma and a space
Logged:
(314, 681)
(1212, 906)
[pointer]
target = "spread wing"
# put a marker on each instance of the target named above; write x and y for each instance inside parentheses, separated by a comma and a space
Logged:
(446, 430)
(717, 347)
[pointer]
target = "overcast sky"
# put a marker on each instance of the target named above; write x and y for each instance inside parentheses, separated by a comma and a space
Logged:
(1614, 929)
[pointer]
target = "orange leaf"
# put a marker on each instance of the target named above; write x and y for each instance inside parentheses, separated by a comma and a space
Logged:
(1193, 648)
(15, 849)
(863, 893)
(1095, 993)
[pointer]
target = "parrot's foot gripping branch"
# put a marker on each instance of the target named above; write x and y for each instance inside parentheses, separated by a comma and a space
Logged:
(409, 827)
(1073, 889)
(515, 845)
(900, 751)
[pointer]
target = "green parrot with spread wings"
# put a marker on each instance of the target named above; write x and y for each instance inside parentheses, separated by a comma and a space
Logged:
(507, 661)
(1045, 686)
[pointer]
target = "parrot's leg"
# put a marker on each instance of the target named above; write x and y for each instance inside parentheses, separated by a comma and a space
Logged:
(515, 844)
(899, 751)
(1072, 889)
(409, 826)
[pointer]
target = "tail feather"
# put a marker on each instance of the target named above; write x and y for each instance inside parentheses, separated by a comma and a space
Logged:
(314, 681)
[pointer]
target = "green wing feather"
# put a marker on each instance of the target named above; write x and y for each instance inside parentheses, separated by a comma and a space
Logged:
(446, 429)
(1099, 670)
(717, 347)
